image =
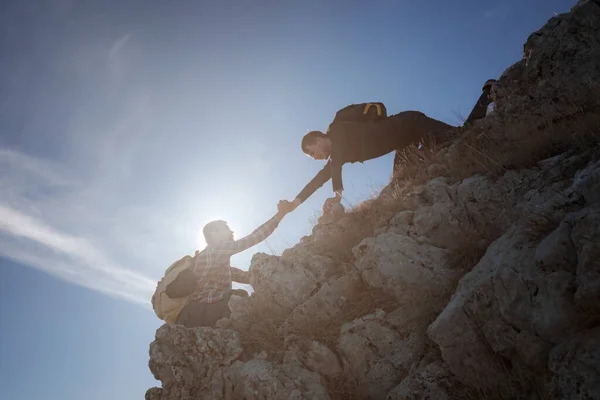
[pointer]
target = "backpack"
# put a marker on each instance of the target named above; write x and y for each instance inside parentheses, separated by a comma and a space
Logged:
(363, 112)
(165, 307)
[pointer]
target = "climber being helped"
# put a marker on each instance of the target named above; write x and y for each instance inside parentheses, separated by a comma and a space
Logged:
(362, 132)
(199, 294)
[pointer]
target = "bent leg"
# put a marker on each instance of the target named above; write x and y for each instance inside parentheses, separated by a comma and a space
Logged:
(216, 311)
(198, 314)
(413, 127)
(192, 315)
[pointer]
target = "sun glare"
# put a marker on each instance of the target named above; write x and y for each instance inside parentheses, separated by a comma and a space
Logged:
(227, 207)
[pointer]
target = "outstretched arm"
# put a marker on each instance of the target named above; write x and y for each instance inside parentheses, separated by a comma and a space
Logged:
(241, 276)
(319, 180)
(257, 236)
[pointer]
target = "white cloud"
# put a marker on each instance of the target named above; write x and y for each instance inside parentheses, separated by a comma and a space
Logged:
(117, 47)
(36, 197)
(98, 214)
(86, 265)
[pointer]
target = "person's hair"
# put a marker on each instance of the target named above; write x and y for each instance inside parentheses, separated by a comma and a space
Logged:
(209, 228)
(310, 138)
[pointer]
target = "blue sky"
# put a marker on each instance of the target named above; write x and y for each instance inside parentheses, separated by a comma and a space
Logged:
(126, 126)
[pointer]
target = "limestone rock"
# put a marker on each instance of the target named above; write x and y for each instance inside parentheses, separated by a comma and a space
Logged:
(405, 268)
(576, 367)
(189, 362)
(282, 283)
(325, 306)
(261, 379)
(376, 354)
(519, 292)
(560, 60)
(313, 356)
(433, 382)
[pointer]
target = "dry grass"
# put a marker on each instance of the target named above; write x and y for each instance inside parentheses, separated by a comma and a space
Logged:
(494, 146)
(258, 328)
(490, 149)
(362, 221)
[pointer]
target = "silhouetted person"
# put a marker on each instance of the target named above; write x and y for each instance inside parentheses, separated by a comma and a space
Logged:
(208, 283)
(371, 135)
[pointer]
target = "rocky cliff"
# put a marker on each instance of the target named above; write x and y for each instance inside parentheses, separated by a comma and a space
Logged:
(475, 274)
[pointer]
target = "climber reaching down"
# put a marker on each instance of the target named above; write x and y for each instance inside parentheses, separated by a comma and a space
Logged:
(362, 132)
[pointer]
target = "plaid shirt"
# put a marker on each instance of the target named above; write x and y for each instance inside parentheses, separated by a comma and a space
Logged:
(213, 267)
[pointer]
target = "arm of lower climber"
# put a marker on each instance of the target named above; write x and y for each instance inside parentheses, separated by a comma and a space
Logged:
(238, 275)
(183, 285)
(315, 183)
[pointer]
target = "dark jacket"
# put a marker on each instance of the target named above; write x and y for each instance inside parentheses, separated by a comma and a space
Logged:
(358, 142)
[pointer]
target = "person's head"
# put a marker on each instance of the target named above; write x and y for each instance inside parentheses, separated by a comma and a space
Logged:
(316, 145)
(217, 232)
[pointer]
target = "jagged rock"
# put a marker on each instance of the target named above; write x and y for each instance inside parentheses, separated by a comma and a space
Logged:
(325, 307)
(325, 232)
(334, 214)
(433, 382)
(282, 283)
(261, 379)
(585, 183)
(376, 354)
(519, 286)
(560, 60)
(576, 367)
(406, 269)
(154, 394)
(190, 362)
(313, 355)
(301, 255)
(469, 209)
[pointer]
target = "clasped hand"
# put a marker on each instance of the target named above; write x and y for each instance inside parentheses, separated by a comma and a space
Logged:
(285, 206)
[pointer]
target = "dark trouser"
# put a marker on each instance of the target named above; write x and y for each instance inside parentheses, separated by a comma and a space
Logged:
(196, 314)
(416, 127)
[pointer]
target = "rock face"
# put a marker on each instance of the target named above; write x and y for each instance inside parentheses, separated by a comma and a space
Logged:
(559, 62)
(201, 363)
(483, 287)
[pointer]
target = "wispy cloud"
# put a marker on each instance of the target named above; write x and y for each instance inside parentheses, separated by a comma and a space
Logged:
(73, 258)
(117, 61)
(117, 47)
(107, 211)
